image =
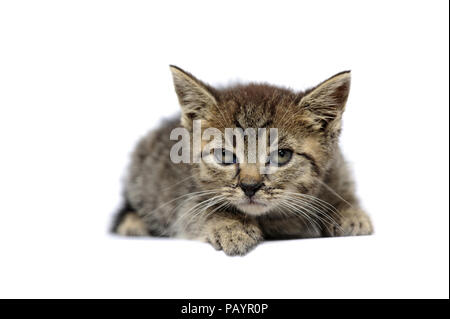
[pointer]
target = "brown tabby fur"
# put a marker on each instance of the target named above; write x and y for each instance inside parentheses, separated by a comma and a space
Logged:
(311, 196)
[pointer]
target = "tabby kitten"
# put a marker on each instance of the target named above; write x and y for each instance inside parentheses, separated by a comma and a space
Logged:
(234, 205)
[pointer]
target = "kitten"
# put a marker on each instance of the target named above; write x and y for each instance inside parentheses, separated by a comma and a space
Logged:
(234, 206)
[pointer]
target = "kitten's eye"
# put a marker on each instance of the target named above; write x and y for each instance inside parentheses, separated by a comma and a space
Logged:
(280, 158)
(224, 157)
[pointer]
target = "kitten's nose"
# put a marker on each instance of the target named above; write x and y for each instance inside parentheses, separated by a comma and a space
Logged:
(250, 189)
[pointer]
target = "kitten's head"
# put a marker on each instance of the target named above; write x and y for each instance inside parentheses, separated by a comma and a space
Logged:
(308, 125)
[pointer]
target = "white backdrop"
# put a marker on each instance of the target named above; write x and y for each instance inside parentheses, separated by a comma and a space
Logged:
(81, 81)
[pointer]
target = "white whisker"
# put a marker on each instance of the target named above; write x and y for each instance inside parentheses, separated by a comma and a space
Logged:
(325, 218)
(302, 211)
(334, 192)
(318, 201)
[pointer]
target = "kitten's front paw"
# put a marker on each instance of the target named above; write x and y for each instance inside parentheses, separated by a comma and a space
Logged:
(233, 237)
(353, 222)
(132, 225)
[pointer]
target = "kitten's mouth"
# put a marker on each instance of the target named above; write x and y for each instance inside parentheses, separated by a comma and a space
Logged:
(252, 206)
(251, 201)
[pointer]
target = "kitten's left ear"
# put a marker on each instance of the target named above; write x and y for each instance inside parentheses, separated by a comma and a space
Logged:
(326, 102)
(195, 97)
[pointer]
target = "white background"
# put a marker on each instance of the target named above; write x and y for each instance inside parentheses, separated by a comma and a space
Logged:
(81, 81)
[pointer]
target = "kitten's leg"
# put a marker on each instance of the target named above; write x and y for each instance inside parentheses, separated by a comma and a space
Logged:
(128, 223)
(353, 221)
(234, 235)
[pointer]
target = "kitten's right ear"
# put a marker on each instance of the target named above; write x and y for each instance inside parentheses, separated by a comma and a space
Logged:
(326, 102)
(195, 97)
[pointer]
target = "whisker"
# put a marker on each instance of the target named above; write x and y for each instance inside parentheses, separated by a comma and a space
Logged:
(177, 183)
(317, 212)
(314, 206)
(302, 210)
(200, 210)
(289, 215)
(225, 204)
(334, 192)
(302, 217)
(185, 195)
(193, 210)
(311, 214)
(319, 201)
(193, 196)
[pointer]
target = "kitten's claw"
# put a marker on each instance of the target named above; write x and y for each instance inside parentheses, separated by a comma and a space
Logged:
(234, 237)
(353, 222)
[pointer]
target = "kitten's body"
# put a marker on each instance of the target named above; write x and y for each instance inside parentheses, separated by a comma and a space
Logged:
(312, 196)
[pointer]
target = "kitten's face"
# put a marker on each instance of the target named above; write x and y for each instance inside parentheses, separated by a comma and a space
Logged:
(307, 123)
